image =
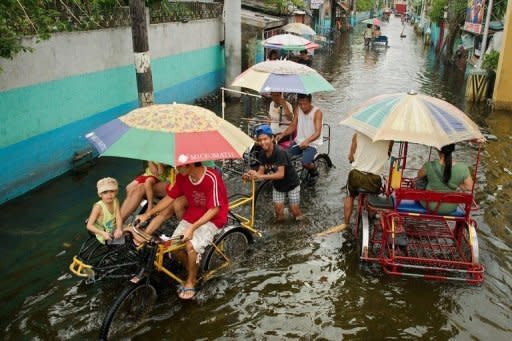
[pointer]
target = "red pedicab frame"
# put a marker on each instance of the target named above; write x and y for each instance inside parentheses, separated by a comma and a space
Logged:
(438, 247)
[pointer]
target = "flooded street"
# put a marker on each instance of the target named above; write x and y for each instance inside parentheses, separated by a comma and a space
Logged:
(290, 285)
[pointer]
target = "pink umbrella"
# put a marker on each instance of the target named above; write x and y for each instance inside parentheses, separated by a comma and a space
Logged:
(376, 22)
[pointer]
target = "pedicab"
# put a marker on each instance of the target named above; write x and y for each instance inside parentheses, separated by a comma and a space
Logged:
(173, 134)
(381, 39)
(401, 229)
(287, 77)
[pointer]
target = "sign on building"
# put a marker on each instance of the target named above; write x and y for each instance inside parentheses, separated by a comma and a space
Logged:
(474, 16)
(316, 4)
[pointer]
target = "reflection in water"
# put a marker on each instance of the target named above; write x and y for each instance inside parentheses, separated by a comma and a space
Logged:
(289, 285)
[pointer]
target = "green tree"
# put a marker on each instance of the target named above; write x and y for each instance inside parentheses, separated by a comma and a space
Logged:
(282, 5)
(364, 5)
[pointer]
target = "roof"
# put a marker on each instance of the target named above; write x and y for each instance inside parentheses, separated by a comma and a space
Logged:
(261, 20)
(260, 6)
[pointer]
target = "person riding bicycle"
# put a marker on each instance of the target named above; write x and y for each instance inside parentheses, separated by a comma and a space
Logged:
(205, 215)
(368, 34)
(367, 159)
(136, 191)
(307, 121)
(275, 165)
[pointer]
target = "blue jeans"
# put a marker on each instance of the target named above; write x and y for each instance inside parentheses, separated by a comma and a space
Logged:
(308, 154)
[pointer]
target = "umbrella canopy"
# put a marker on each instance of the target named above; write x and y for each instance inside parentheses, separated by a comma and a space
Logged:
(282, 76)
(299, 28)
(412, 117)
(173, 134)
(289, 42)
(373, 21)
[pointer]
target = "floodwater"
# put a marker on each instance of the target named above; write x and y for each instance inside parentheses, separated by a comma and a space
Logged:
(290, 285)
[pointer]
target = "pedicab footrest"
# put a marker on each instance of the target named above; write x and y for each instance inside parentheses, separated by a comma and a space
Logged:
(79, 268)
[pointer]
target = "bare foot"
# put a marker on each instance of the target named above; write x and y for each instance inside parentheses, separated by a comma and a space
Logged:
(187, 292)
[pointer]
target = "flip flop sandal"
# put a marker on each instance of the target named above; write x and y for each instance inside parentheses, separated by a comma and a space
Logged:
(183, 290)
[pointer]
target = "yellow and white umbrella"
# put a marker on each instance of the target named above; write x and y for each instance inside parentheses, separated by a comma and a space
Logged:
(412, 117)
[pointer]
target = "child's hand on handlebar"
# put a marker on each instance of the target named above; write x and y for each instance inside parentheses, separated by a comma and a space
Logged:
(106, 235)
(118, 233)
(250, 175)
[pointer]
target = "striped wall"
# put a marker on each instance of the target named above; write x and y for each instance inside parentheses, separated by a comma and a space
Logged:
(44, 123)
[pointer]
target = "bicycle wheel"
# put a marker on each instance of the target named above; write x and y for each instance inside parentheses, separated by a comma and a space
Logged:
(232, 243)
(363, 235)
(128, 310)
(263, 194)
(322, 163)
(119, 262)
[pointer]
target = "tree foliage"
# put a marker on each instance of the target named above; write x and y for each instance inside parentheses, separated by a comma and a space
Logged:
(364, 5)
(282, 5)
(491, 60)
(41, 18)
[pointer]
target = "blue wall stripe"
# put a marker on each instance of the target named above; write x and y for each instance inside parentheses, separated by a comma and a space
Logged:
(31, 162)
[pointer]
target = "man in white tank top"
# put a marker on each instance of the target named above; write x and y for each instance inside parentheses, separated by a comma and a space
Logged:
(307, 120)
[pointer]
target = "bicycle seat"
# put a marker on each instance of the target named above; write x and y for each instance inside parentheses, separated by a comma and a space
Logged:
(364, 191)
(380, 202)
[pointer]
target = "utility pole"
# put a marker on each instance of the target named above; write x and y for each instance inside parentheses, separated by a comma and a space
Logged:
(233, 40)
(486, 34)
(354, 9)
(141, 52)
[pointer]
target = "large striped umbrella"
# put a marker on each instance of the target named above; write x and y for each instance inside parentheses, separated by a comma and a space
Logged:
(282, 76)
(289, 42)
(412, 117)
(173, 134)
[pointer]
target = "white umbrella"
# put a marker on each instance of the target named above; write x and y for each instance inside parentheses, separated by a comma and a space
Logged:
(289, 42)
(299, 28)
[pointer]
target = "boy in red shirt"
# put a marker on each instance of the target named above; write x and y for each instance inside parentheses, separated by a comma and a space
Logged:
(206, 214)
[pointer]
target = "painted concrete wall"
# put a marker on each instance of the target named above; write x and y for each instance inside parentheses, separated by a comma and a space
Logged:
(502, 96)
(70, 84)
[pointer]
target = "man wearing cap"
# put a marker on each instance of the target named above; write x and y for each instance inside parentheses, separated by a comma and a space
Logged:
(275, 165)
(206, 214)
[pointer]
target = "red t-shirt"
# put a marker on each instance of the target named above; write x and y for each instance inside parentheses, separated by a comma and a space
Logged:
(208, 192)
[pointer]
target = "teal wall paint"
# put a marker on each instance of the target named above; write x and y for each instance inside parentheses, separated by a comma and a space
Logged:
(31, 161)
(29, 111)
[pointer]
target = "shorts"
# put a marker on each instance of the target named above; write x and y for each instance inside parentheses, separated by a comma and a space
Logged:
(142, 178)
(308, 154)
(203, 235)
(360, 180)
(293, 196)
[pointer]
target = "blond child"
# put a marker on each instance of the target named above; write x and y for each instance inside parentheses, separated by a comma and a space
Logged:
(105, 218)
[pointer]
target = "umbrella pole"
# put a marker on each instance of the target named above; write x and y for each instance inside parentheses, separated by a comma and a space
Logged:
(223, 103)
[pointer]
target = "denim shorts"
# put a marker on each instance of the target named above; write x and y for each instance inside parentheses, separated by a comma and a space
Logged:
(308, 154)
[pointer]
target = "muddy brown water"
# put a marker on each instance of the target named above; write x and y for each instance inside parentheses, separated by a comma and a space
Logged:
(290, 285)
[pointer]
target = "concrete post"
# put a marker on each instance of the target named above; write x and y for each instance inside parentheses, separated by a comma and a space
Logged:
(233, 39)
(141, 52)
